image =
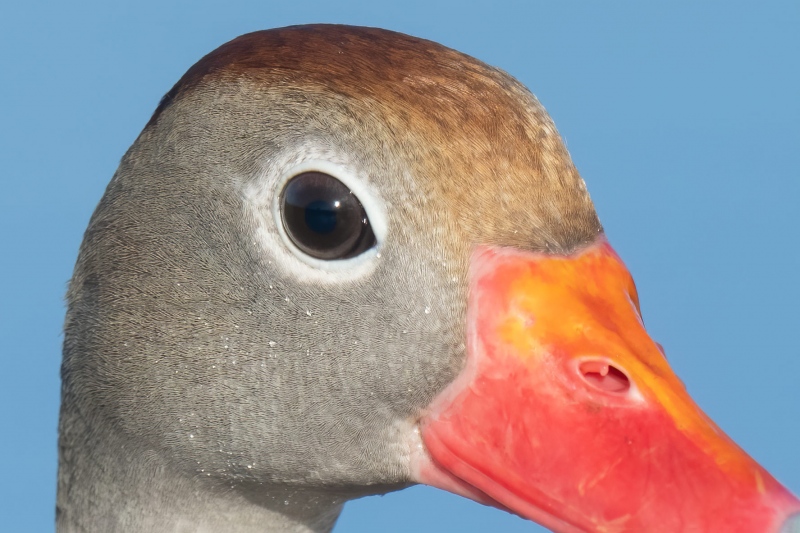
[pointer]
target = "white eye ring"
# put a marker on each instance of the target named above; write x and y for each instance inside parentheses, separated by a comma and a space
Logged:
(374, 208)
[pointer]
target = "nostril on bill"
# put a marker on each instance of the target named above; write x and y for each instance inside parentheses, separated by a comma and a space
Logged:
(604, 376)
(792, 524)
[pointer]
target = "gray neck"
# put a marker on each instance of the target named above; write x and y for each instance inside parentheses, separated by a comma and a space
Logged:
(107, 486)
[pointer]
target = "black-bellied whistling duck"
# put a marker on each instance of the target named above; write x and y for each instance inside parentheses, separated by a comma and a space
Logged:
(339, 261)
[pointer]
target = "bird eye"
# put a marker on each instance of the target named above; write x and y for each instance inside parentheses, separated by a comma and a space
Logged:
(323, 218)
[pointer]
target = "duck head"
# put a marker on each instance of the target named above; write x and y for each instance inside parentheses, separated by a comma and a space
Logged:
(339, 261)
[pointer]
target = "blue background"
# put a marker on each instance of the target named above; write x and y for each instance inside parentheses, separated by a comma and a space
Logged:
(684, 119)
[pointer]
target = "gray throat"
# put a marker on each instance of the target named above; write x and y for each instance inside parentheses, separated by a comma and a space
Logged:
(105, 488)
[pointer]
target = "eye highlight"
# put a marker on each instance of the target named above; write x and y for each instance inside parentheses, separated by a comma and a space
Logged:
(323, 218)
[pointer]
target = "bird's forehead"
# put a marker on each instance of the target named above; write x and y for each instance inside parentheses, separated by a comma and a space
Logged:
(474, 140)
(407, 74)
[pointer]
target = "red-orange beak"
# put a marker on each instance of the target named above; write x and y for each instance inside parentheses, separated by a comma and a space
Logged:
(568, 413)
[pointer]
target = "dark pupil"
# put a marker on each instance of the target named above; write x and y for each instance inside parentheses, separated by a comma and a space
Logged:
(323, 218)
